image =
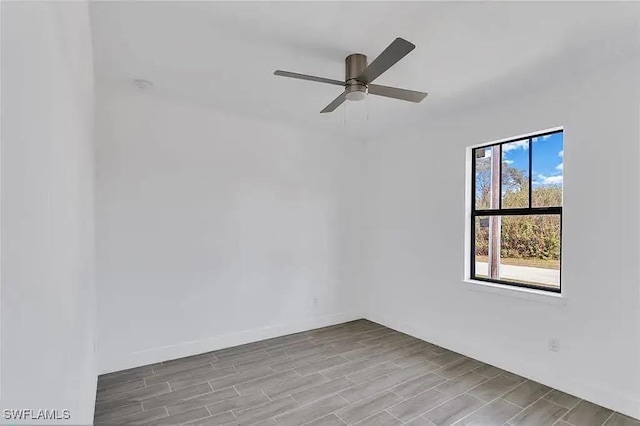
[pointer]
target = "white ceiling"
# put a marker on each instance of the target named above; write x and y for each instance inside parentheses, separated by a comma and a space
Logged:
(222, 55)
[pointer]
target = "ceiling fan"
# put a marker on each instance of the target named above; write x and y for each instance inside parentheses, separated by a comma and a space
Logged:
(359, 76)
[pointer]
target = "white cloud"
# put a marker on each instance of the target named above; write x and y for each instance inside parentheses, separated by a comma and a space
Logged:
(508, 161)
(541, 138)
(560, 166)
(515, 145)
(561, 153)
(548, 180)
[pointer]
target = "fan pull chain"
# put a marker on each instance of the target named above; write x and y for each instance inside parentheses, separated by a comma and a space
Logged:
(367, 106)
(345, 113)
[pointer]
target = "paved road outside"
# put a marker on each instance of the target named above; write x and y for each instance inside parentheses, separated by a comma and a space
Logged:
(523, 273)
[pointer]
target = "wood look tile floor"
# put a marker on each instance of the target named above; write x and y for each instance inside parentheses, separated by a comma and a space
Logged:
(357, 373)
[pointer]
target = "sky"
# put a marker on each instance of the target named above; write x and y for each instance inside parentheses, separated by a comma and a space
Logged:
(548, 158)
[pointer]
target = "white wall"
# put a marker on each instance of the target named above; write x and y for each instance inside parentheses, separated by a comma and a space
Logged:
(48, 291)
(215, 230)
(416, 197)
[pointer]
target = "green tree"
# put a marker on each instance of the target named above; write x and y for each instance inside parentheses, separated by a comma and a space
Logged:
(513, 180)
(521, 236)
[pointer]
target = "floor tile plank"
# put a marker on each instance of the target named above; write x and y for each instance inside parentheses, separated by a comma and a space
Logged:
(367, 407)
(380, 419)
(138, 418)
(418, 385)
(266, 411)
(297, 384)
(124, 376)
(461, 384)
(317, 392)
(527, 393)
(330, 420)
(176, 396)
(321, 365)
(457, 368)
(266, 382)
(107, 392)
(587, 414)
(618, 419)
(207, 376)
(226, 418)
(238, 404)
(201, 401)
(495, 413)
(453, 410)
(562, 399)
(131, 397)
(418, 405)
(178, 375)
(312, 411)
(185, 417)
(237, 379)
(493, 388)
(540, 413)
(117, 412)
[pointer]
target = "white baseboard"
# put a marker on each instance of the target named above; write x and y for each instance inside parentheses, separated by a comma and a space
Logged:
(165, 353)
(625, 404)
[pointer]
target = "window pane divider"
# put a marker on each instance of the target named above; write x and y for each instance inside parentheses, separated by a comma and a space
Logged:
(517, 284)
(500, 185)
(530, 172)
(518, 211)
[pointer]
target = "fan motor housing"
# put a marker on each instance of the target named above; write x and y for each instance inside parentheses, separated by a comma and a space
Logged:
(354, 65)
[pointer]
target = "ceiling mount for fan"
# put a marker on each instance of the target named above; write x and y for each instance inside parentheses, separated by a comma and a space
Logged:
(359, 75)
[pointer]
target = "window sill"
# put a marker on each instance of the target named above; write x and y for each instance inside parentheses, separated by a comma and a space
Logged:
(519, 292)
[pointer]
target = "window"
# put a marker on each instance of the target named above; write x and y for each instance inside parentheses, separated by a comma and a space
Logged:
(516, 211)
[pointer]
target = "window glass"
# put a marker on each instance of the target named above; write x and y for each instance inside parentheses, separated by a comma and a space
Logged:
(548, 168)
(515, 174)
(530, 249)
(484, 193)
(481, 245)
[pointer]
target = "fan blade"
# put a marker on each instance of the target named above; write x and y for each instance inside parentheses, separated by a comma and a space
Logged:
(397, 50)
(396, 93)
(335, 103)
(308, 77)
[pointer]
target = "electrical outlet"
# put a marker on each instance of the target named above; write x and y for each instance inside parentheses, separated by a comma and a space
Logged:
(315, 301)
(554, 344)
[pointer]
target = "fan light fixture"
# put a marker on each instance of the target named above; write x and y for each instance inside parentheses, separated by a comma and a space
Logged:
(356, 96)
